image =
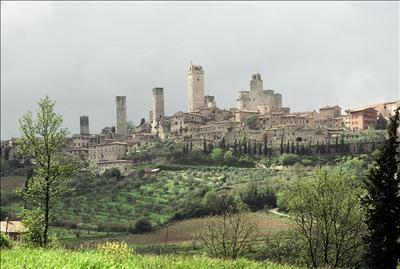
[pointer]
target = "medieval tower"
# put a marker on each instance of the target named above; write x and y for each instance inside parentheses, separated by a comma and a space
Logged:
(121, 127)
(256, 91)
(84, 125)
(195, 80)
(158, 105)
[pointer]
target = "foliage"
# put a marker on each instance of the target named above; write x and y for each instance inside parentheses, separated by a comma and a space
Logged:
(113, 172)
(33, 220)
(251, 122)
(5, 241)
(231, 235)
(382, 203)
(42, 139)
(143, 225)
(288, 159)
(283, 247)
(257, 196)
(328, 214)
(58, 258)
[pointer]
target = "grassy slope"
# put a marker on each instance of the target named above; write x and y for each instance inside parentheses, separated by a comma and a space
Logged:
(39, 258)
(184, 231)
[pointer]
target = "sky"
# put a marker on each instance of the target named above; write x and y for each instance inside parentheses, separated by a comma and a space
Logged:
(83, 54)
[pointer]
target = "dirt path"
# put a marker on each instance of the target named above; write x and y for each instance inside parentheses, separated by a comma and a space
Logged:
(275, 211)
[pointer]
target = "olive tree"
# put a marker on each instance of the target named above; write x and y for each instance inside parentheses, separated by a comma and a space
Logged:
(327, 211)
(42, 140)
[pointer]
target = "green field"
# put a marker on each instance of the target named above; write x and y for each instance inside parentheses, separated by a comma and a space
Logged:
(41, 258)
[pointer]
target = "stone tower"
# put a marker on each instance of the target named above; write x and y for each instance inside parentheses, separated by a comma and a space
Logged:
(256, 91)
(121, 127)
(195, 80)
(84, 125)
(158, 104)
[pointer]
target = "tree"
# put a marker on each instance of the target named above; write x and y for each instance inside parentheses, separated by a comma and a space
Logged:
(142, 121)
(231, 234)
(382, 203)
(327, 212)
(217, 155)
(42, 140)
(281, 145)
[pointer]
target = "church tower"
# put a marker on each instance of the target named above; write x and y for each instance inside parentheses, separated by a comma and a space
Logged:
(195, 82)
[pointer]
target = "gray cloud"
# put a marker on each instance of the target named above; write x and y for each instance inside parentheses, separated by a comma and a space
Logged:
(82, 54)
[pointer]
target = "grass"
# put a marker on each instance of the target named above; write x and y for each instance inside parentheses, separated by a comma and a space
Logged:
(10, 183)
(58, 258)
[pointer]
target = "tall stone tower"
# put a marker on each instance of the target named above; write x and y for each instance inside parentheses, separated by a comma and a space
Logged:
(158, 104)
(121, 127)
(84, 125)
(195, 82)
(256, 91)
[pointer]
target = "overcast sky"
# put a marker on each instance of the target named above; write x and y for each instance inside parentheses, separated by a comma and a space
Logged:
(83, 54)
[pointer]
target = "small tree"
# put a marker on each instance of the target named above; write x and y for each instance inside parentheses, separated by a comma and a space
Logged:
(382, 203)
(42, 140)
(231, 234)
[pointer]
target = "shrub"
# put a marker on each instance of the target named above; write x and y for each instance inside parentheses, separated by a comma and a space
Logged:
(288, 159)
(5, 241)
(143, 225)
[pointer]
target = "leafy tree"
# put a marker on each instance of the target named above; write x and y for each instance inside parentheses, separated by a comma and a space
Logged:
(217, 155)
(382, 203)
(381, 123)
(113, 172)
(251, 122)
(42, 140)
(328, 214)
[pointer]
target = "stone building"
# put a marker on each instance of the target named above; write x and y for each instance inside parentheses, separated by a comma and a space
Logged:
(330, 112)
(209, 101)
(195, 83)
(258, 99)
(84, 125)
(121, 126)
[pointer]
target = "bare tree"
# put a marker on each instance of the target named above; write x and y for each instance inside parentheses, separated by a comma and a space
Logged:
(231, 234)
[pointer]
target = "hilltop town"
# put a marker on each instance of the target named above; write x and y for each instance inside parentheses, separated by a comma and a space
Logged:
(258, 118)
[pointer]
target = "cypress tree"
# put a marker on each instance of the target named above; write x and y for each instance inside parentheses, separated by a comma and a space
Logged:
(204, 146)
(297, 147)
(260, 152)
(342, 144)
(292, 151)
(287, 147)
(235, 150)
(337, 144)
(282, 145)
(382, 204)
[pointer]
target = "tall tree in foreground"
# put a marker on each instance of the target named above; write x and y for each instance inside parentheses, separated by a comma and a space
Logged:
(382, 203)
(327, 212)
(42, 140)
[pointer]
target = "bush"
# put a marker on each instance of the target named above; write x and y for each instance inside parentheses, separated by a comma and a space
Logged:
(5, 241)
(257, 197)
(142, 225)
(288, 159)
(282, 247)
